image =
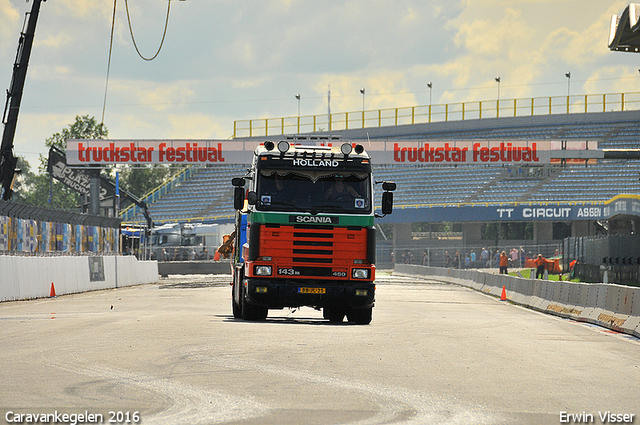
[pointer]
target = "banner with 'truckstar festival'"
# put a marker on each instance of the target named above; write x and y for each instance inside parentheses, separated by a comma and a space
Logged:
(239, 151)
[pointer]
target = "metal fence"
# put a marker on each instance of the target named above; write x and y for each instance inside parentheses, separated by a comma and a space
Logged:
(606, 258)
(462, 257)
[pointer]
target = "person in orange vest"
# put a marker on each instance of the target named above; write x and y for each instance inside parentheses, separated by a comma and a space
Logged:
(541, 264)
(504, 262)
(226, 249)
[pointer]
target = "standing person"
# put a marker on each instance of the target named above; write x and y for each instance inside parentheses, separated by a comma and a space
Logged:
(514, 257)
(407, 258)
(447, 259)
(425, 258)
(523, 257)
(484, 256)
(504, 262)
(540, 266)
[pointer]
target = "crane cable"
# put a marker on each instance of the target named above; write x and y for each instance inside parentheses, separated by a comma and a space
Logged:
(106, 86)
(113, 22)
(166, 24)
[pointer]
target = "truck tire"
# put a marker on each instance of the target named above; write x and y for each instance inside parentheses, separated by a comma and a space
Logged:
(360, 317)
(333, 314)
(236, 287)
(252, 312)
(237, 310)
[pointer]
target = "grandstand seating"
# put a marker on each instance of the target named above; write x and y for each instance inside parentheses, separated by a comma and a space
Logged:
(208, 194)
(592, 183)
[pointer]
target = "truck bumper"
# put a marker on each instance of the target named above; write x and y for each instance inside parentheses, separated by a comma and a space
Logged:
(282, 293)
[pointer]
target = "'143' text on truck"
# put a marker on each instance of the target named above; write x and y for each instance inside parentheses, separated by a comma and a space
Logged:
(305, 232)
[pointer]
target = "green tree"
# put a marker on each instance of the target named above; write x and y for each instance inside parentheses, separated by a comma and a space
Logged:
(136, 180)
(84, 127)
(43, 191)
(140, 180)
(24, 181)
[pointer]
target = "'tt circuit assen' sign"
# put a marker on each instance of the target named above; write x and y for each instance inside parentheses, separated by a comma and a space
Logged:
(569, 211)
(240, 151)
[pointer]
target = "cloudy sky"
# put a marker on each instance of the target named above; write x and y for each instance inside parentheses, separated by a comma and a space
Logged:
(225, 60)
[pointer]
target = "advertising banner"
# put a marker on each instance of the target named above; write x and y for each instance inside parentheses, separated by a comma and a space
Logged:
(239, 151)
(93, 152)
(77, 180)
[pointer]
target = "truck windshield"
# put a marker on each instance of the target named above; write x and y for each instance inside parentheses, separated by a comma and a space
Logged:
(280, 190)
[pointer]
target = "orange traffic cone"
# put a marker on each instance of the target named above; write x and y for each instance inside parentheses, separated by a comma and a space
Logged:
(503, 296)
(52, 293)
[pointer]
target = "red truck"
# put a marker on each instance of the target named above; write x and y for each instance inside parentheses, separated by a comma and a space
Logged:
(305, 232)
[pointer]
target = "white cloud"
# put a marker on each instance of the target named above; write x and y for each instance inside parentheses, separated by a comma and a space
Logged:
(9, 17)
(224, 61)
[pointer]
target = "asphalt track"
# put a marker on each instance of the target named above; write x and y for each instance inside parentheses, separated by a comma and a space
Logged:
(434, 353)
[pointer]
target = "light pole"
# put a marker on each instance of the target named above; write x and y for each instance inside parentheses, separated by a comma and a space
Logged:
(498, 102)
(298, 98)
(568, 75)
(363, 119)
(430, 85)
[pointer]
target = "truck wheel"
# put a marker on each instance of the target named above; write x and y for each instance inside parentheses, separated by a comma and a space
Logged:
(237, 303)
(360, 317)
(334, 314)
(252, 312)
(237, 311)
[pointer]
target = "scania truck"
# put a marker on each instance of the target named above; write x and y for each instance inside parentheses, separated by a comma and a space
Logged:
(305, 231)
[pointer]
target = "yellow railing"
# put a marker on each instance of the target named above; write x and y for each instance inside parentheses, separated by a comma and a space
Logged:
(438, 113)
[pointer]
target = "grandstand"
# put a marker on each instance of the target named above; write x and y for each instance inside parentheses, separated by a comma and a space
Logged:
(206, 196)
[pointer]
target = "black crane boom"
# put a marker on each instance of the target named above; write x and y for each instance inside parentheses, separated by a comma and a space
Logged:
(14, 96)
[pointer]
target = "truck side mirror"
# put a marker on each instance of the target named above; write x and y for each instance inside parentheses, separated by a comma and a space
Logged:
(238, 198)
(388, 186)
(238, 193)
(387, 202)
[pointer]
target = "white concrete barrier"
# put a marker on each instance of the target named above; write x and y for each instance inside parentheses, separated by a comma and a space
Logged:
(31, 277)
(613, 306)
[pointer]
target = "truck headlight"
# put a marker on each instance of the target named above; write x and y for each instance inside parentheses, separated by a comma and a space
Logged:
(262, 270)
(360, 274)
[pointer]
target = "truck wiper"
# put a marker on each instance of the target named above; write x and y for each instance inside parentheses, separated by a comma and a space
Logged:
(334, 208)
(280, 203)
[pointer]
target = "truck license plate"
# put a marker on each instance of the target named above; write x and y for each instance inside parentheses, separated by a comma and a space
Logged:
(312, 290)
